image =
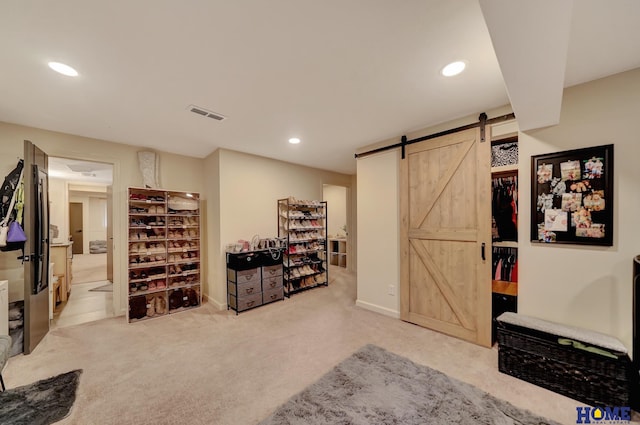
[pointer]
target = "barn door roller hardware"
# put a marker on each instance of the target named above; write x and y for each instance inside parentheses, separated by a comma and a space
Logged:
(483, 121)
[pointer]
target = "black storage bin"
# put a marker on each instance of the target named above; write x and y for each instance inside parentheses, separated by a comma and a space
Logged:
(244, 260)
(270, 257)
(538, 357)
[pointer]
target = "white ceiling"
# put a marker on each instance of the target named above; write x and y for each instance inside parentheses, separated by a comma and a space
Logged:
(338, 74)
(87, 173)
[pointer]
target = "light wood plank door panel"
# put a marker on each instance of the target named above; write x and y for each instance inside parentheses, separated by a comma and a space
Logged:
(445, 220)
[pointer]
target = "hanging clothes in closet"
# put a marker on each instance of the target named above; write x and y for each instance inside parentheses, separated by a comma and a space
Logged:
(505, 264)
(504, 206)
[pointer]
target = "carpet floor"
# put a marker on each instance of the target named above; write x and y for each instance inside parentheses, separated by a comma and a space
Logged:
(374, 386)
(205, 366)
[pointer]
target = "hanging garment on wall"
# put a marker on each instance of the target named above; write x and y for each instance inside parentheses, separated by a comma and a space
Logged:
(505, 264)
(504, 194)
(19, 204)
(8, 191)
(11, 234)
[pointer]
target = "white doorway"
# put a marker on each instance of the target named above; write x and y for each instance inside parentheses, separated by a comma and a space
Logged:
(81, 220)
(337, 229)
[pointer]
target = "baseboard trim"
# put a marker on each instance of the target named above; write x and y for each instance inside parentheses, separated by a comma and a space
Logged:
(217, 305)
(378, 309)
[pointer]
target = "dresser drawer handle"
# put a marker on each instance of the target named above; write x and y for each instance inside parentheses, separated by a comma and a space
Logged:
(249, 290)
(250, 303)
(274, 296)
(272, 284)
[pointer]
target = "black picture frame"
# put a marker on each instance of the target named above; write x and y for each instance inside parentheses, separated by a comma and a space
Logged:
(576, 187)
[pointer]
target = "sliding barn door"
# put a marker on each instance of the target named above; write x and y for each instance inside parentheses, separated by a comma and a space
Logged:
(446, 236)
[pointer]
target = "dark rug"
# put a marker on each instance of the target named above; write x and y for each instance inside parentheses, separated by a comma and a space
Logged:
(104, 288)
(41, 403)
(374, 386)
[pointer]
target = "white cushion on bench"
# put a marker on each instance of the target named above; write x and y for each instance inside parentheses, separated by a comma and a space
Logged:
(583, 335)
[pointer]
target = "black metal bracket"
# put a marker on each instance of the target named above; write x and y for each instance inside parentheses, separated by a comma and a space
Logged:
(403, 143)
(27, 258)
(483, 122)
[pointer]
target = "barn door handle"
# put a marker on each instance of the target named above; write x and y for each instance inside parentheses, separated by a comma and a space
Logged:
(482, 253)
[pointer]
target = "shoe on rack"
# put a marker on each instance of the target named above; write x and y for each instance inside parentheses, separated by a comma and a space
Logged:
(151, 307)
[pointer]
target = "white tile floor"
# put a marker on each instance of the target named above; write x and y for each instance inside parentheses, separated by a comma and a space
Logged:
(84, 306)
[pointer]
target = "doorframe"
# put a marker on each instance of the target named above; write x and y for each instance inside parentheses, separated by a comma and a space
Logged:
(118, 223)
(348, 222)
(69, 224)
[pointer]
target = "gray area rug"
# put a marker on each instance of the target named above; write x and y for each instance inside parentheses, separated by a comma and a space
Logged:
(41, 403)
(104, 288)
(374, 386)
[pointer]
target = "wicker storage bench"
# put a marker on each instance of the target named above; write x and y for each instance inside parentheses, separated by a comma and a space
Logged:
(587, 366)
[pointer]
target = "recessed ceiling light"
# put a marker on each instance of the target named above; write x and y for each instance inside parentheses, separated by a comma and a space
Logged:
(454, 68)
(63, 69)
(294, 140)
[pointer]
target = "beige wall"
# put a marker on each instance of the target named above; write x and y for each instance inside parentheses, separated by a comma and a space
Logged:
(59, 208)
(249, 189)
(352, 213)
(582, 286)
(336, 197)
(213, 267)
(587, 286)
(378, 242)
(176, 172)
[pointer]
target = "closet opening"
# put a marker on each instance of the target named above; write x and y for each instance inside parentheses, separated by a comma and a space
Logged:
(81, 230)
(337, 229)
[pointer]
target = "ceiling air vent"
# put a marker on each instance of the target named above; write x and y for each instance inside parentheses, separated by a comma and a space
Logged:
(206, 113)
